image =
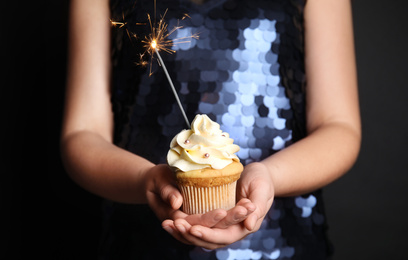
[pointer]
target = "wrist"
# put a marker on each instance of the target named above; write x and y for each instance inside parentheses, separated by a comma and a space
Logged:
(269, 170)
(147, 176)
(261, 168)
(135, 186)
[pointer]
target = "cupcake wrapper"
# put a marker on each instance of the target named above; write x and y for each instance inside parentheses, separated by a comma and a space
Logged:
(199, 200)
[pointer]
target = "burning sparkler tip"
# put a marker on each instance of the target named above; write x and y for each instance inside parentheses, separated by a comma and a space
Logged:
(154, 44)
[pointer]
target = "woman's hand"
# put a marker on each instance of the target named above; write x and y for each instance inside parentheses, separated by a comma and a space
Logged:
(162, 194)
(165, 200)
(255, 192)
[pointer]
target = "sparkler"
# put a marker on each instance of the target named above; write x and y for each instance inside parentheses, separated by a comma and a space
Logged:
(158, 40)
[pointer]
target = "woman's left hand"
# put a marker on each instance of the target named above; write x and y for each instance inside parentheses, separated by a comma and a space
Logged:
(254, 185)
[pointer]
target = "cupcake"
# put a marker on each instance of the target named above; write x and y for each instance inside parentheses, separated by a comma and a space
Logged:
(206, 167)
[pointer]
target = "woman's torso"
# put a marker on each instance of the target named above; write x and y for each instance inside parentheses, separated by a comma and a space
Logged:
(246, 71)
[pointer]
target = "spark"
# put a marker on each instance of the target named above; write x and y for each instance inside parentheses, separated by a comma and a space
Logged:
(142, 62)
(114, 23)
(186, 16)
(123, 24)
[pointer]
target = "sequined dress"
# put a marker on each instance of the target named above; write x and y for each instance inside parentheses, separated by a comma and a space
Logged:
(246, 72)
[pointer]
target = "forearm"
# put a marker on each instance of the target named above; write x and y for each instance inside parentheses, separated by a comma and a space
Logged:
(89, 156)
(103, 168)
(315, 161)
(332, 111)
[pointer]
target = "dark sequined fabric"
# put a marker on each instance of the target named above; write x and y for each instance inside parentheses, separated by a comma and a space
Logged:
(246, 71)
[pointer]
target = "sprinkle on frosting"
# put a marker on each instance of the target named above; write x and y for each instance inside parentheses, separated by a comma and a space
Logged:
(204, 146)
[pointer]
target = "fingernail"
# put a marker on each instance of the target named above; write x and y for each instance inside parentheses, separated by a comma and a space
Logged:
(181, 228)
(218, 217)
(238, 217)
(172, 200)
(196, 233)
(253, 222)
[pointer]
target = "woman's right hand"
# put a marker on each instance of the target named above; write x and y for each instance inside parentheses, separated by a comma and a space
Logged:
(165, 199)
(162, 194)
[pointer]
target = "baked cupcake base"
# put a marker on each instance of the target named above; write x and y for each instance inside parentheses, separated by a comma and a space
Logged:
(199, 200)
(208, 189)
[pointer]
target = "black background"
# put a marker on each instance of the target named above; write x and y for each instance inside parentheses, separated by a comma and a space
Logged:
(367, 208)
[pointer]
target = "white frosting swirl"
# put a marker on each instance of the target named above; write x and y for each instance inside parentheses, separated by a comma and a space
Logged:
(204, 146)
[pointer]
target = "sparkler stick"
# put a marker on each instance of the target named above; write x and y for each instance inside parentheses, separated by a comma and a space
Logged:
(171, 83)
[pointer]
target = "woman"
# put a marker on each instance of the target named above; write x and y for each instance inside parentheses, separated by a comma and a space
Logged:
(248, 71)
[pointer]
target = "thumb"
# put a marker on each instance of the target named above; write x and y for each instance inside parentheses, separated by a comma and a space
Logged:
(171, 195)
(164, 187)
(256, 185)
(258, 194)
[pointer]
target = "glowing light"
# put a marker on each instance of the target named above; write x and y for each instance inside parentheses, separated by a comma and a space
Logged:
(154, 44)
(114, 23)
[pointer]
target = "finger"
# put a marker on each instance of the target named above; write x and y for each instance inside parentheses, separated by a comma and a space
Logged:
(263, 201)
(208, 219)
(184, 228)
(252, 223)
(237, 214)
(168, 225)
(161, 208)
(221, 218)
(177, 214)
(246, 203)
(169, 194)
(234, 216)
(216, 237)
